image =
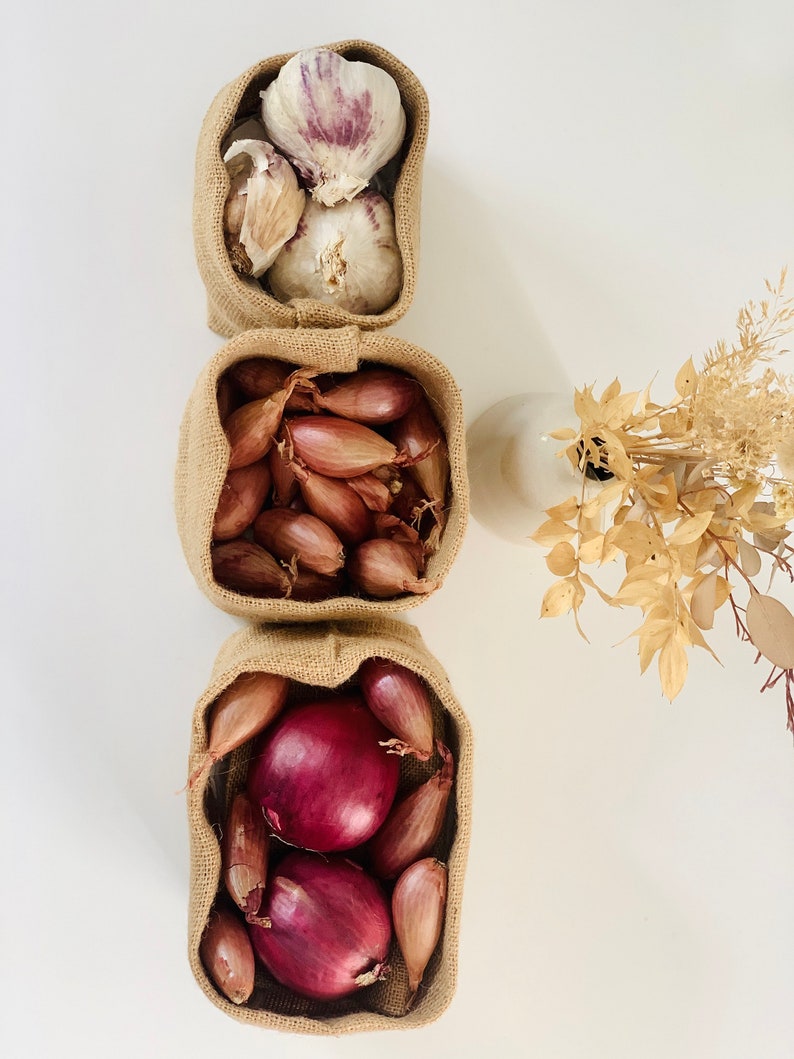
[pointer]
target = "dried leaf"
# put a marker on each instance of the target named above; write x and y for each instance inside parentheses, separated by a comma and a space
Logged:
(558, 598)
(611, 491)
(748, 557)
(564, 511)
(686, 381)
(611, 391)
(561, 560)
(585, 405)
(563, 434)
(771, 627)
(552, 532)
(637, 539)
(690, 529)
(704, 601)
(673, 666)
(591, 547)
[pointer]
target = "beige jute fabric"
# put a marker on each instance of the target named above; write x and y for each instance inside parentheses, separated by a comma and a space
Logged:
(204, 455)
(326, 657)
(237, 304)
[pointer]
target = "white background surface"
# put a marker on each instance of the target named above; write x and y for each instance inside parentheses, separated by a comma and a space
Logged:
(605, 185)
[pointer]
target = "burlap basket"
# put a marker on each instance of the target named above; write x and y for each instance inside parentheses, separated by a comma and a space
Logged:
(204, 455)
(237, 304)
(327, 657)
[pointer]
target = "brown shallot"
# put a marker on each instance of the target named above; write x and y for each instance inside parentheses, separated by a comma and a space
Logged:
(228, 955)
(285, 484)
(373, 397)
(242, 496)
(245, 567)
(414, 823)
(258, 377)
(338, 447)
(385, 568)
(291, 534)
(251, 429)
(244, 854)
(418, 435)
(399, 699)
(418, 904)
(240, 712)
(338, 505)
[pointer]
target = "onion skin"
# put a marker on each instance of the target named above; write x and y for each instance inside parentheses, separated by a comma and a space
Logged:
(418, 902)
(242, 496)
(334, 502)
(245, 567)
(244, 854)
(242, 711)
(285, 484)
(258, 377)
(378, 495)
(414, 823)
(228, 955)
(330, 926)
(386, 568)
(371, 397)
(292, 534)
(251, 429)
(321, 776)
(338, 447)
(398, 697)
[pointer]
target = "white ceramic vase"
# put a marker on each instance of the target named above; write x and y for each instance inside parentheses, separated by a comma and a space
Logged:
(514, 472)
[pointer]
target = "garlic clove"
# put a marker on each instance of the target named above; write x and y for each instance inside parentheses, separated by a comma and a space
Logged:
(346, 256)
(263, 207)
(338, 121)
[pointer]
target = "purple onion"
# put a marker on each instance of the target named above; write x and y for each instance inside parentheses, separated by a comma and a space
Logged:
(330, 926)
(321, 776)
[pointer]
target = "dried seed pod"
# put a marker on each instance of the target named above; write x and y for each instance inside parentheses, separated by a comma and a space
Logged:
(228, 955)
(242, 496)
(244, 854)
(414, 823)
(418, 903)
(291, 534)
(245, 567)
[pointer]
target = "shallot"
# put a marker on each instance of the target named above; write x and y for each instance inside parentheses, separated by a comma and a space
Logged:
(242, 496)
(418, 902)
(244, 853)
(228, 956)
(373, 397)
(338, 447)
(398, 697)
(385, 568)
(330, 926)
(290, 534)
(245, 567)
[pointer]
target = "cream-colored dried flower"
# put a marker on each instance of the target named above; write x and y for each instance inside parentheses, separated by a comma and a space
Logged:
(783, 498)
(785, 457)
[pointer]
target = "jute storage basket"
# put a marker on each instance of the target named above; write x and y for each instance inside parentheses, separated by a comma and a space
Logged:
(237, 304)
(204, 454)
(326, 657)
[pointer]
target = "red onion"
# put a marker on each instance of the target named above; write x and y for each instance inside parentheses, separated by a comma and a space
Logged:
(330, 926)
(321, 776)
(242, 496)
(385, 568)
(292, 534)
(338, 447)
(398, 697)
(418, 908)
(414, 824)
(379, 395)
(227, 954)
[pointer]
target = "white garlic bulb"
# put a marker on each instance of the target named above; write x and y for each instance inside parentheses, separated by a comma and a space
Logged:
(263, 206)
(344, 255)
(337, 121)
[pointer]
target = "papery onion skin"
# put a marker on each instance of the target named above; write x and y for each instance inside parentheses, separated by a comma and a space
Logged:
(227, 953)
(251, 428)
(242, 495)
(258, 377)
(337, 447)
(321, 776)
(330, 926)
(243, 566)
(399, 699)
(418, 903)
(242, 710)
(414, 823)
(386, 568)
(285, 484)
(292, 534)
(373, 397)
(244, 854)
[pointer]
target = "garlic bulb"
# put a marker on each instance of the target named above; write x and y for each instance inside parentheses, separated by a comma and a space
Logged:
(346, 256)
(337, 121)
(263, 206)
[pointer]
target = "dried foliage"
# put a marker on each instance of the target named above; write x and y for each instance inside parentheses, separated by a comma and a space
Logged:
(695, 501)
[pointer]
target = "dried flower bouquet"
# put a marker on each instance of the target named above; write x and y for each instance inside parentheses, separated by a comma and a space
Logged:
(695, 500)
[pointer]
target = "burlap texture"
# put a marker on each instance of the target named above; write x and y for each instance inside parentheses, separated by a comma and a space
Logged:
(237, 304)
(326, 657)
(204, 455)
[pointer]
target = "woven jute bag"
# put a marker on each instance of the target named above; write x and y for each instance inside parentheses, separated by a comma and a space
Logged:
(237, 304)
(203, 459)
(322, 657)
